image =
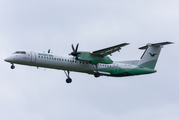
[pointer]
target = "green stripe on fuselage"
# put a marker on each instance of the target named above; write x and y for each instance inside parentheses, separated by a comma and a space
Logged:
(121, 72)
(151, 64)
(135, 71)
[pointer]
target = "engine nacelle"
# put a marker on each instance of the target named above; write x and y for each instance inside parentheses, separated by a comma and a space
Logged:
(94, 59)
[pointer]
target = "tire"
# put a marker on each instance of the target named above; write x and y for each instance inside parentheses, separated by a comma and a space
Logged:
(68, 80)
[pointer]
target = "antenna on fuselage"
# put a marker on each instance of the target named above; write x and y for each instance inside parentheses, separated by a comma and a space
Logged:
(48, 50)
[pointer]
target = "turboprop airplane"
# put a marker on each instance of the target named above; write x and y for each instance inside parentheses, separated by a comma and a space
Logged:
(97, 62)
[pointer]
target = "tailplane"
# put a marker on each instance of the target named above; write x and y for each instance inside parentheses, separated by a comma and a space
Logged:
(151, 54)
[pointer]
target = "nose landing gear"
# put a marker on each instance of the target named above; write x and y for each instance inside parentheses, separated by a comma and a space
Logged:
(12, 66)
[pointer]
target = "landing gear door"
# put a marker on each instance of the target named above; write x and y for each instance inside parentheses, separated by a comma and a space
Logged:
(33, 57)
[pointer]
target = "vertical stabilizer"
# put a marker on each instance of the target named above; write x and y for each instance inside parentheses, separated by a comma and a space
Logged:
(151, 54)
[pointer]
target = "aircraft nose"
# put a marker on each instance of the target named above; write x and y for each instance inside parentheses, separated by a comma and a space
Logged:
(9, 59)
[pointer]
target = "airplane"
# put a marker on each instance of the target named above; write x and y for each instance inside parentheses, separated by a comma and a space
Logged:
(97, 63)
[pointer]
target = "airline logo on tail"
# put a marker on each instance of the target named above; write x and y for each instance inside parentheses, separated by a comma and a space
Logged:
(152, 55)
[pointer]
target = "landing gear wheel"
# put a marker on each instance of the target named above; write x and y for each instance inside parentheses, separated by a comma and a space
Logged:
(97, 74)
(12, 66)
(68, 80)
(67, 73)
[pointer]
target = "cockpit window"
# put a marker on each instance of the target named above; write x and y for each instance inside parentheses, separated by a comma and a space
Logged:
(20, 52)
(17, 52)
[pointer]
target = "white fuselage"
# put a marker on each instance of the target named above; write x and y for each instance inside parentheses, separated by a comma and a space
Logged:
(46, 60)
(58, 62)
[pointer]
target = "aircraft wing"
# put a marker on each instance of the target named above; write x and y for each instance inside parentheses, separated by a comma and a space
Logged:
(109, 50)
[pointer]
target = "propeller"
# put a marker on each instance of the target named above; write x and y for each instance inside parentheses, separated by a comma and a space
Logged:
(75, 53)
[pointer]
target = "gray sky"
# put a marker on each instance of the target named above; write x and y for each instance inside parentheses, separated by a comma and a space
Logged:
(30, 93)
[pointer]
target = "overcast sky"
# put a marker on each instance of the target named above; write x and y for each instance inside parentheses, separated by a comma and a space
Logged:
(28, 93)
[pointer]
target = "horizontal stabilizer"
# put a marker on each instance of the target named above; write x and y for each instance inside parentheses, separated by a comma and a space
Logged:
(155, 45)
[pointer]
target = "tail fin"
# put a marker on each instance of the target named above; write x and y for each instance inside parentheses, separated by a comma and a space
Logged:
(151, 54)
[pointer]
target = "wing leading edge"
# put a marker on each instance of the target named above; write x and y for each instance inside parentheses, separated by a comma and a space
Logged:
(109, 50)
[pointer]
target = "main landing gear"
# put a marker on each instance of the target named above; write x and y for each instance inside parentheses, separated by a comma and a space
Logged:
(96, 74)
(12, 66)
(67, 73)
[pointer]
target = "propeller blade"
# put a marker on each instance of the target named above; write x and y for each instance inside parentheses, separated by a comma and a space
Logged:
(73, 48)
(77, 47)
